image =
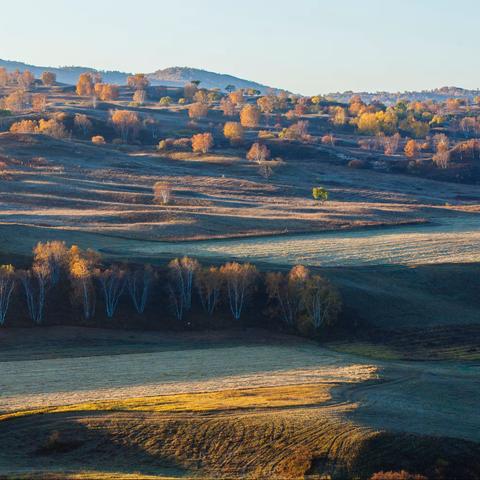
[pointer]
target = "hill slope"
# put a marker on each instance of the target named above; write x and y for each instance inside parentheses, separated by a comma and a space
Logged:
(175, 76)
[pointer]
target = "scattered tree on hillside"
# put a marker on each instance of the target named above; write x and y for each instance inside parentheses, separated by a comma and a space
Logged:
(442, 153)
(139, 97)
(39, 102)
(139, 281)
(48, 78)
(201, 96)
(230, 88)
(320, 193)
(126, 122)
(338, 116)
(82, 123)
(227, 107)
(202, 142)
(390, 144)
(16, 101)
(233, 131)
(258, 153)
(26, 79)
(250, 116)
(139, 81)
(24, 126)
(237, 97)
(189, 90)
(106, 91)
(53, 128)
(165, 101)
(411, 148)
(197, 110)
(85, 85)
(162, 192)
(298, 131)
(112, 281)
(3, 77)
(240, 281)
(7, 283)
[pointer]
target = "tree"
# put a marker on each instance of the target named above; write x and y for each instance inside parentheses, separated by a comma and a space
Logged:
(165, 101)
(7, 283)
(233, 131)
(49, 78)
(139, 97)
(39, 102)
(85, 85)
(35, 283)
(106, 91)
(24, 126)
(139, 281)
(202, 142)
(411, 148)
(338, 116)
(26, 79)
(320, 193)
(197, 110)
(321, 301)
(209, 283)
(390, 144)
(298, 131)
(82, 267)
(162, 192)
(112, 282)
(53, 128)
(180, 273)
(139, 81)
(258, 153)
(239, 280)
(126, 122)
(237, 97)
(3, 77)
(287, 290)
(230, 88)
(250, 116)
(189, 90)
(16, 101)
(82, 123)
(201, 96)
(54, 255)
(227, 107)
(442, 154)
(267, 104)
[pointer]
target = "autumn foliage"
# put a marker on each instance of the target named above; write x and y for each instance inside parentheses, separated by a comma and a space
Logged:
(202, 142)
(250, 116)
(233, 131)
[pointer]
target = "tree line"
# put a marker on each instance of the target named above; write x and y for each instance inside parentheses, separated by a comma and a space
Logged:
(80, 281)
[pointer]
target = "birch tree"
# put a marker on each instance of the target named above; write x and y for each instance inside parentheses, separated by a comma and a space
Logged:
(35, 283)
(208, 282)
(321, 301)
(180, 280)
(286, 291)
(7, 283)
(112, 281)
(239, 280)
(81, 269)
(55, 257)
(139, 282)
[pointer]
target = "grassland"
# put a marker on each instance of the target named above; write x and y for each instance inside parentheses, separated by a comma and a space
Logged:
(227, 408)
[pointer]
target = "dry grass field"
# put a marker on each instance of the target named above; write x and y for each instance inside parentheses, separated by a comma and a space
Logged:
(225, 407)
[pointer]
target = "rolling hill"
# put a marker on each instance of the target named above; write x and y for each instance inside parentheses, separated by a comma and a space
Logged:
(173, 76)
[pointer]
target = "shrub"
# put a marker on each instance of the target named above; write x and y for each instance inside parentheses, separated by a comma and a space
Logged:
(98, 140)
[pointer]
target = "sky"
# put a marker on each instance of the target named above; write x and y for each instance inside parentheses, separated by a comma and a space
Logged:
(305, 46)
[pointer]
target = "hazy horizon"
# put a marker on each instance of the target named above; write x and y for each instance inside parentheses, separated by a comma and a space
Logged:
(318, 47)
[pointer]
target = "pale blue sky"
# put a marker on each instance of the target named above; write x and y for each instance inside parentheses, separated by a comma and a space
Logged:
(307, 46)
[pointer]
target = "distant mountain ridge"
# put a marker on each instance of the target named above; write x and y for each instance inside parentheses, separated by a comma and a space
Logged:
(173, 76)
(437, 94)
